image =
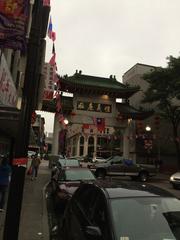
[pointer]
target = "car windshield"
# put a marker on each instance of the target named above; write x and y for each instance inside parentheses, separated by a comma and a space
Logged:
(69, 162)
(78, 175)
(146, 218)
(114, 158)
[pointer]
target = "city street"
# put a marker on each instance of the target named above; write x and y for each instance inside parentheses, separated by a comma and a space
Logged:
(167, 186)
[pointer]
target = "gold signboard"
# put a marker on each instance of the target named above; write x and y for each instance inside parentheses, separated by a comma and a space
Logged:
(94, 107)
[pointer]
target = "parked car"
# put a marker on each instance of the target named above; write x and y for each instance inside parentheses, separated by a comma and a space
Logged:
(119, 166)
(175, 180)
(63, 162)
(107, 211)
(66, 182)
(88, 161)
(53, 158)
(98, 160)
(31, 153)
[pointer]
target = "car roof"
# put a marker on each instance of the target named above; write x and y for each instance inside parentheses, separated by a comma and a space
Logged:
(76, 169)
(113, 189)
(69, 162)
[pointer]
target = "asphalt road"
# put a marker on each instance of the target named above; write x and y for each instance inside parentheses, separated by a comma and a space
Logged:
(164, 184)
(168, 187)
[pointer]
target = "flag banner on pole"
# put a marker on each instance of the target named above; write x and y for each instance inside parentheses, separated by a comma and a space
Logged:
(100, 123)
(48, 73)
(46, 3)
(13, 23)
(50, 28)
(53, 36)
(52, 61)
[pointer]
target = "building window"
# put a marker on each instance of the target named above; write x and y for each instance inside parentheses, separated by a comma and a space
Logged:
(91, 141)
(81, 140)
(91, 130)
(81, 146)
(90, 146)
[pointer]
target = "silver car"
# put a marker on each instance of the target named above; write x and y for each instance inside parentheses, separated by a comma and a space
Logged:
(175, 180)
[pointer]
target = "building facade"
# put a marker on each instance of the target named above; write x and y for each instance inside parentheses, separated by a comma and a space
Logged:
(161, 146)
(12, 77)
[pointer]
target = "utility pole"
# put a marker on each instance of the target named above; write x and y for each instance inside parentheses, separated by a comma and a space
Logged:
(11, 229)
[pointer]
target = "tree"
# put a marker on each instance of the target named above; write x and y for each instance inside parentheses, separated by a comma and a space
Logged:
(164, 90)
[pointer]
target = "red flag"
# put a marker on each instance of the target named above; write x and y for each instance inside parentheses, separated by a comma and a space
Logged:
(53, 36)
(52, 61)
(85, 126)
(100, 123)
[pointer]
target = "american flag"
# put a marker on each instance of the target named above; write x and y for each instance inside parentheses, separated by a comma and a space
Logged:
(46, 3)
(50, 28)
(100, 123)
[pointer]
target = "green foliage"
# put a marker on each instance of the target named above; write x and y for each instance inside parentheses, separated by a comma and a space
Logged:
(164, 89)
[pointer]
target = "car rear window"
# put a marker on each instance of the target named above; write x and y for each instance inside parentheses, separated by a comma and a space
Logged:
(146, 218)
(75, 175)
(69, 162)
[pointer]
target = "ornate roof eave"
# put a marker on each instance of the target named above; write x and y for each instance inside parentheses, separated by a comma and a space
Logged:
(50, 105)
(119, 91)
(126, 111)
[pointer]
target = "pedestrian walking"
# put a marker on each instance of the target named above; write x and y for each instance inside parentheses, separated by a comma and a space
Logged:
(36, 160)
(5, 173)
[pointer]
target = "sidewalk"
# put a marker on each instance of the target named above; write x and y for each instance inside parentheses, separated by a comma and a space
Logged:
(34, 219)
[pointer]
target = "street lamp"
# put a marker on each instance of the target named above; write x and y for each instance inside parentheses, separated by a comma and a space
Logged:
(148, 141)
(66, 121)
(148, 128)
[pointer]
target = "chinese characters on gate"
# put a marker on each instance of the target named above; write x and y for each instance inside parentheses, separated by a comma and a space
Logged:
(94, 107)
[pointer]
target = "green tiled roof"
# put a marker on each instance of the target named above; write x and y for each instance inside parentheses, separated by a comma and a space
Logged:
(125, 110)
(98, 82)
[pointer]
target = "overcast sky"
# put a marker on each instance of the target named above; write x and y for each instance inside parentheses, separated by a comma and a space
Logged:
(104, 37)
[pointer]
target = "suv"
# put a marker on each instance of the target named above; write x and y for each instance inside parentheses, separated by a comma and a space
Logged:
(119, 166)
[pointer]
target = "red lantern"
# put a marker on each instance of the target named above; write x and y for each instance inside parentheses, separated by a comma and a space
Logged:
(140, 126)
(157, 122)
(73, 114)
(33, 117)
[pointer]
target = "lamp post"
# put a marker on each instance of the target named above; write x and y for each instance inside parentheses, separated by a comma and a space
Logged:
(66, 121)
(148, 141)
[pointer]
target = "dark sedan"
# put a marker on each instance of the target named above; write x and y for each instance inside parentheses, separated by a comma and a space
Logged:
(106, 211)
(66, 182)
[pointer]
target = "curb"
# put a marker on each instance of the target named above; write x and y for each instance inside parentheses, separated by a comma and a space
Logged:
(45, 225)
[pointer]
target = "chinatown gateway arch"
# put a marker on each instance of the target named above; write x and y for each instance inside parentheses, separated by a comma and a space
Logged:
(98, 125)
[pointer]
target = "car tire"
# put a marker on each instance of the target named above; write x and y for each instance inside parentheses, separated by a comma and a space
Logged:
(175, 186)
(143, 176)
(100, 173)
(134, 178)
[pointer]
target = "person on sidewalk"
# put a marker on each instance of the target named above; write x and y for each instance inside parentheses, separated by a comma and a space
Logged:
(5, 173)
(36, 160)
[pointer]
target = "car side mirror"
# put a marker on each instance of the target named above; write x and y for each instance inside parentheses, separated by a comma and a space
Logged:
(93, 232)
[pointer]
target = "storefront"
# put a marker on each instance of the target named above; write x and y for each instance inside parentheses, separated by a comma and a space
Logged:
(9, 114)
